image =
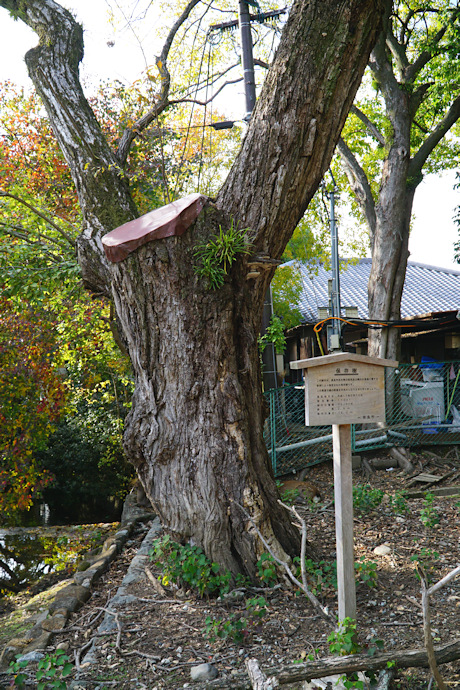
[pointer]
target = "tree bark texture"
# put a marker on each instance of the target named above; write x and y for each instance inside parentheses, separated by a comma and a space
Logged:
(195, 428)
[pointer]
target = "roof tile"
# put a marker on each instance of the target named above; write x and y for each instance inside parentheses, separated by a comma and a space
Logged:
(426, 289)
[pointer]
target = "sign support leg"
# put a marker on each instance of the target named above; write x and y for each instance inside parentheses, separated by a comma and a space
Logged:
(343, 495)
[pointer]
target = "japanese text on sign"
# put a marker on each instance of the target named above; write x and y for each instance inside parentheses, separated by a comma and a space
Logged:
(345, 394)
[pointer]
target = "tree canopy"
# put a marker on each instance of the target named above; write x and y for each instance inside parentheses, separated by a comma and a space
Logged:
(398, 130)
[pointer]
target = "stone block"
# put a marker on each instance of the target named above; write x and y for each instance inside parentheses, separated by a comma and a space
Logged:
(41, 642)
(55, 623)
(203, 672)
(71, 598)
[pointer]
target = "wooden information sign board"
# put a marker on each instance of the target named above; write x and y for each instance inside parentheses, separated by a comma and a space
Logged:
(343, 389)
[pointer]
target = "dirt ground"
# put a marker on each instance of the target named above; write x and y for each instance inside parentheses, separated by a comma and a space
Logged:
(159, 643)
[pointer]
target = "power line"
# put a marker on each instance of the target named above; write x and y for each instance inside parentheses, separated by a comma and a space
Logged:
(261, 18)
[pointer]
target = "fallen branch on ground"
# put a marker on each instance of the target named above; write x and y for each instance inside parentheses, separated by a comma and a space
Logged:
(301, 585)
(114, 614)
(156, 585)
(259, 680)
(294, 673)
(426, 592)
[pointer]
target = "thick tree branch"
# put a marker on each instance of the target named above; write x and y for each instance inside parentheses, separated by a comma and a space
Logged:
(416, 100)
(398, 52)
(162, 98)
(359, 184)
(374, 131)
(261, 63)
(380, 67)
(298, 117)
(420, 158)
(295, 673)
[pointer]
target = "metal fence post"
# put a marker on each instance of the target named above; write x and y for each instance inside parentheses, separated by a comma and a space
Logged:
(273, 428)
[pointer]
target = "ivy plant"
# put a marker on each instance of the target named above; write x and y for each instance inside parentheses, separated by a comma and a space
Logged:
(274, 334)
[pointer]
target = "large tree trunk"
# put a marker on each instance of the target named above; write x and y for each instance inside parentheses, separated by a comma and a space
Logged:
(195, 428)
(389, 262)
(390, 237)
(388, 220)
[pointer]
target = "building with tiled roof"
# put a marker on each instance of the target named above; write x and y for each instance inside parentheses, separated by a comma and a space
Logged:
(430, 304)
(427, 289)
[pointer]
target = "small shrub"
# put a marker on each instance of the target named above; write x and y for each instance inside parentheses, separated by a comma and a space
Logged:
(266, 570)
(427, 558)
(242, 580)
(273, 334)
(365, 498)
(398, 503)
(238, 628)
(188, 565)
(366, 572)
(290, 496)
(52, 669)
(50, 673)
(428, 515)
(321, 576)
(343, 641)
(17, 667)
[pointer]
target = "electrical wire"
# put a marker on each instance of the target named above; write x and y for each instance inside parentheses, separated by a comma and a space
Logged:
(319, 342)
(381, 324)
(190, 119)
(200, 167)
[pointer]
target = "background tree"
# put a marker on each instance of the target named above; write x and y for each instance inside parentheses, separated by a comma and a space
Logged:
(32, 397)
(195, 428)
(60, 369)
(396, 132)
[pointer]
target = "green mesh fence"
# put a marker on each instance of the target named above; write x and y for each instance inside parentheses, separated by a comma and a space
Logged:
(422, 408)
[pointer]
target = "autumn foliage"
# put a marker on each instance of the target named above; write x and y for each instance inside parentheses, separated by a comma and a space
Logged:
(61, 327)
(31, 160)
(32, 398)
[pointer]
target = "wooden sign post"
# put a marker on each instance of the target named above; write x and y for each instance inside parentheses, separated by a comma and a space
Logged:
(343, 389)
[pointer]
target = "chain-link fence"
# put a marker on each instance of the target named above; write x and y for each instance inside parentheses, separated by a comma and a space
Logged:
(422, 407)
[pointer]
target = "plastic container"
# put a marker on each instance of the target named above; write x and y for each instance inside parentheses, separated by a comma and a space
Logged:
(424, 401)
(432, 370)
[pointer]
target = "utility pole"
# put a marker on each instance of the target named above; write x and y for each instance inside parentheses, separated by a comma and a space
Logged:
(247, 57)
(244, 20)
(335, 330)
